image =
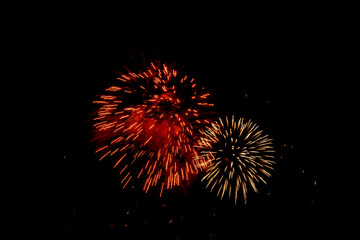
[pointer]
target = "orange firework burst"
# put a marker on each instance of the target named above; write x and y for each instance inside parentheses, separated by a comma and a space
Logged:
(237, 154)
(148, 122)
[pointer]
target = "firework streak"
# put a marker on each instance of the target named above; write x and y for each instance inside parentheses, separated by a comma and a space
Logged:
(237, 155)
(148, 124)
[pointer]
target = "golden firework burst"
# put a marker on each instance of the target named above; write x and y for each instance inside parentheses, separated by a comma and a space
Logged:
(237, 155)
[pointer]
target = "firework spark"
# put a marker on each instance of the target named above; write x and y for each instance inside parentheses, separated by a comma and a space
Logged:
(238, 156)
(149, 123)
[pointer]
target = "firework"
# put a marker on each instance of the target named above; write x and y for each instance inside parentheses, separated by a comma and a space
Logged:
(238, 156)
(148, 122)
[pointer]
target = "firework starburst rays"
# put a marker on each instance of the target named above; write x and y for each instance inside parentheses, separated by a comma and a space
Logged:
(237, 155)
(149, 123)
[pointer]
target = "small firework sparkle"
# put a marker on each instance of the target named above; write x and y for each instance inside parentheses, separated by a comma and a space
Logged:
(237, 155)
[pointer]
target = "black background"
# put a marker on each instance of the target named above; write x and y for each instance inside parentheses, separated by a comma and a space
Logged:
(270, 70)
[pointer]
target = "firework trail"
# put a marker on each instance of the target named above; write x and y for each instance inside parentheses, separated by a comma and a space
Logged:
(149, 123)
(238, 156)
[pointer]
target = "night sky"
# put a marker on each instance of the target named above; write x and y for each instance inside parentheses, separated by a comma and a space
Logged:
(270, 75)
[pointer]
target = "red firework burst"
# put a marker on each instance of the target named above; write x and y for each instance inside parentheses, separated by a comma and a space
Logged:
(149, 123)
